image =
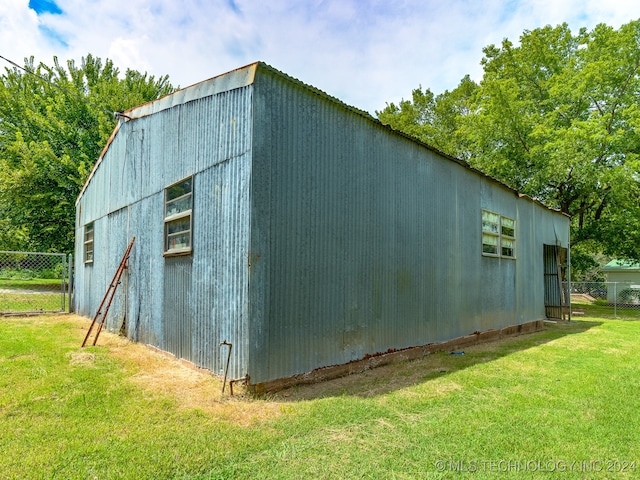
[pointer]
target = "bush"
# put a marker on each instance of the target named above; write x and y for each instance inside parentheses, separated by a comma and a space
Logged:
(17, 274)
(53, 272)
(629, 296)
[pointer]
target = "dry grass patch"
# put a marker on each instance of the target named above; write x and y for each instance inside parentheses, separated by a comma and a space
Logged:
(83, 359)
(159, 374)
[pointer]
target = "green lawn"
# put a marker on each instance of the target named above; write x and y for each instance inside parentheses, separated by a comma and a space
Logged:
(37, 284)
(605, 311)
(564, 400)
(34, 295)
(29, 302)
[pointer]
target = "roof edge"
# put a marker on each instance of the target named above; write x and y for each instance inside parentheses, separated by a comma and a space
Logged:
(238, 78)
(245, 76)
(368, 116)
(621, 266)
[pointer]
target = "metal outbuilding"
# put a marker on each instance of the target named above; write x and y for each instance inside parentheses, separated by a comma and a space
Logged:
(301, 230)
(623, 282)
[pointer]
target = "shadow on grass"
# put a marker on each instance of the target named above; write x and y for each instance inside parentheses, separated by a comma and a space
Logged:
(388, 378)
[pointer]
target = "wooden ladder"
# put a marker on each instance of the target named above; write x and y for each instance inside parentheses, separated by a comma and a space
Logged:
(108, 297)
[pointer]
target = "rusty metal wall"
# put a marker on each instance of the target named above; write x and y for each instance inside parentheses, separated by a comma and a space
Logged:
(177, 322)
(183, 305)
(114, 250)
(320, 236)
(220, 266)
(369, 241)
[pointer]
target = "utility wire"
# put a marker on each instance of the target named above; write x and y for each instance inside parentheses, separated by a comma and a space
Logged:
(108, 112)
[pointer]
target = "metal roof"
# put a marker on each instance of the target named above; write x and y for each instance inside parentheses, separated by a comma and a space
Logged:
(245, 76)
(621, 265)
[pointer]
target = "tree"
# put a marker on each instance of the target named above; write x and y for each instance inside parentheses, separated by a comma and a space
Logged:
(557, 118)
(52, 130)
(432, 119)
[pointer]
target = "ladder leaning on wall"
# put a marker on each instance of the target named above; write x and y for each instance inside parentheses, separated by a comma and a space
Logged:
(103, 309)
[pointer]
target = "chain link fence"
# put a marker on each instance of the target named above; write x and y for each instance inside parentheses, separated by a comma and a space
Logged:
(34, 282)
(619, 295)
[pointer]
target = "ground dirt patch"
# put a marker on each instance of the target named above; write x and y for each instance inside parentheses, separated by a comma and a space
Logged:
(82, 358)
(161, 375)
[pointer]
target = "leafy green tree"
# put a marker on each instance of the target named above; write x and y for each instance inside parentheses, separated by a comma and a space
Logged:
(435, 120)
(557, 118)
(54, 121)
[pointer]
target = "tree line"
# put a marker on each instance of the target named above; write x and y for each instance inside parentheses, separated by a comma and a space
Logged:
(54, 122)
(556, 117)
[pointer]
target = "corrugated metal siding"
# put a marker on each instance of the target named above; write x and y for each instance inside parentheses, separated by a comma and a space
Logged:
(327, 238)
(116, 241)
(146, 272)
(176, 311)
(171, 304)
(368, 241)
(90, 279)
(220, 273)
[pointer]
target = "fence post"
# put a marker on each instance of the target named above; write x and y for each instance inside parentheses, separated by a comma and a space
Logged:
(70, 281)
(615, 299)
(63, 257)
(569, 280)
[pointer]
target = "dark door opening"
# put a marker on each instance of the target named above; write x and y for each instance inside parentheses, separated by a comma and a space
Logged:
(556, 304)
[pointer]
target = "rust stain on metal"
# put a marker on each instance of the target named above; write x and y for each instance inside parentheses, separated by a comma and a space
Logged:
(392, 356)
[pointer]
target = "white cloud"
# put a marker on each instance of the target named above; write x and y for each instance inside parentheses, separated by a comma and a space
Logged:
(365, 52)
(19, 30)
(129, 51)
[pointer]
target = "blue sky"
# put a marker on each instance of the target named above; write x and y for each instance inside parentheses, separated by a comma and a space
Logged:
(364, 52)
(44, 6)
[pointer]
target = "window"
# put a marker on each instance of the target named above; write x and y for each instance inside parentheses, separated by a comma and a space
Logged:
(178, 203)
(88, 243)
(507, 237)
(490, 233)
(498, 235)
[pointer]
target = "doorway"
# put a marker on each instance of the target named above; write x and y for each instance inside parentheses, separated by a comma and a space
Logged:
(556, 304)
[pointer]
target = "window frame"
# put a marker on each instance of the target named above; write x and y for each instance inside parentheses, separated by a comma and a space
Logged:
(89, 243)
(507, 237)
(178, 216)
(502, 232)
